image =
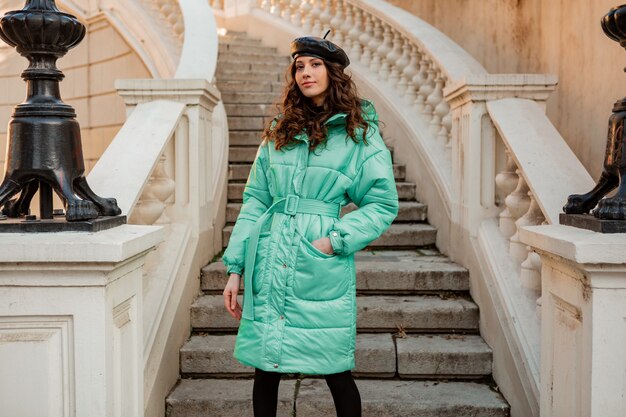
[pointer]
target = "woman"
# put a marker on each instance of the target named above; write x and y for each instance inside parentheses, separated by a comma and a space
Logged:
(296, 255)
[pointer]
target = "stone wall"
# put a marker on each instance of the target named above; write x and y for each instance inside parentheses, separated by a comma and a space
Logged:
(562, 37)
(90, 69)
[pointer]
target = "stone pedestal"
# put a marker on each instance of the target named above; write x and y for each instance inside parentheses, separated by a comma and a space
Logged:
(70, 322)
(583, 321)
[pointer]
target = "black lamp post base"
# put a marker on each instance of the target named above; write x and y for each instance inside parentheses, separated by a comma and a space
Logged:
(589, 222)
(59, 224)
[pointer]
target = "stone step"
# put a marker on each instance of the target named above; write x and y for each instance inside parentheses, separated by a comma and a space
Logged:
(251, 110)
(241, 66)
(246, 75)
(409, 211)
(244, 138)
(239, 124)
(449, 355)
(375, 355)
(398, 235)
(249, 86)
(418, 313)
(240, 171)
(243, 48)
(381, 272)
(254, 58)
(406, 190)
(406, 235)
(380, 398)
(250, 98)
(236, 40)
(238, 154)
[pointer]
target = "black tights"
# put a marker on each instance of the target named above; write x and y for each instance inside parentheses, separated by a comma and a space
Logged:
(342, 387)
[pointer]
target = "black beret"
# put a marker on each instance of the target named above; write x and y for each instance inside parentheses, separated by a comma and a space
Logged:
(319, 48)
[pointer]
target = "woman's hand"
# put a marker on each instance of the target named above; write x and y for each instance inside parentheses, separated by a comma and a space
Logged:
(324, 245)
(230, 296)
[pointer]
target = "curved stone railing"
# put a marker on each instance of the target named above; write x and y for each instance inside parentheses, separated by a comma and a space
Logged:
(153, 28)
(479, 158)
(171, 25)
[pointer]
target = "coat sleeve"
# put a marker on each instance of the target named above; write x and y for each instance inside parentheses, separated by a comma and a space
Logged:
(256, 200)
(374, 192)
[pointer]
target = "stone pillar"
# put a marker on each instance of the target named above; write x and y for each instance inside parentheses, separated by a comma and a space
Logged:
(474, 140)
(71, 322)
(583, 321)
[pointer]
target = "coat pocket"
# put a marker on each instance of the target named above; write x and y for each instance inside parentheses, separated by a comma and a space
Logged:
(319, 276)
(260, 262)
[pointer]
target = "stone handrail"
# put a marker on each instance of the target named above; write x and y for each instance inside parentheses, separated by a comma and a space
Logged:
(479, 158)
(199, 51)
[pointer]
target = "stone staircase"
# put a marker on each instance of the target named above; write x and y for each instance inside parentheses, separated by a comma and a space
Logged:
(418, 348)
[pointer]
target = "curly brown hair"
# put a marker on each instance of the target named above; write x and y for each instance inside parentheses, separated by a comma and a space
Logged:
(297, 113)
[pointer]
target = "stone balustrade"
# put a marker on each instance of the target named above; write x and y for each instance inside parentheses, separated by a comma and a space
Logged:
(169, 14)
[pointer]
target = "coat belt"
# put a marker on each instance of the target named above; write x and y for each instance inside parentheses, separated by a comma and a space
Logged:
(289, 205)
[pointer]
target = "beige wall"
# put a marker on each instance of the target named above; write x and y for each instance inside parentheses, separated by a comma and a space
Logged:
(90, 69)
(550, 36)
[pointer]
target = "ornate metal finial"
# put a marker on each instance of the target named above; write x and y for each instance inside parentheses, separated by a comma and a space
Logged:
(44, 145)
(614, 173)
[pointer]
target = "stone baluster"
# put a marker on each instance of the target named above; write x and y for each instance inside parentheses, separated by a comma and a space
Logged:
(444, 116)
(375, 42)
(518, 203)
(305, 12)
(335, 24)
(419, 80)
(433, 101)
(285, 9)
(365, 38)
(265, 5)
(506, 181)
(383, 50)
(150, 208)
(445, 134)
(355, 33)
(346, 26)
(404, 64)
(398, 58)
(316, 12)
(275, 8)
(428, 88)
(530, 273)
(296, 16)
(325, 17)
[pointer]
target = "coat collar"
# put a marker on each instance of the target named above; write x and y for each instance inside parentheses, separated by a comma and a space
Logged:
(335, 119)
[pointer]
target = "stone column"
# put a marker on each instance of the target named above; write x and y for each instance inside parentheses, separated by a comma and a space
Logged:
(474, 140)
(71, 322)
(583, 320)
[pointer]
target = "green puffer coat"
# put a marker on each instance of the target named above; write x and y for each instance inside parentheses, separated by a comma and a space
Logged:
(299, 312)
